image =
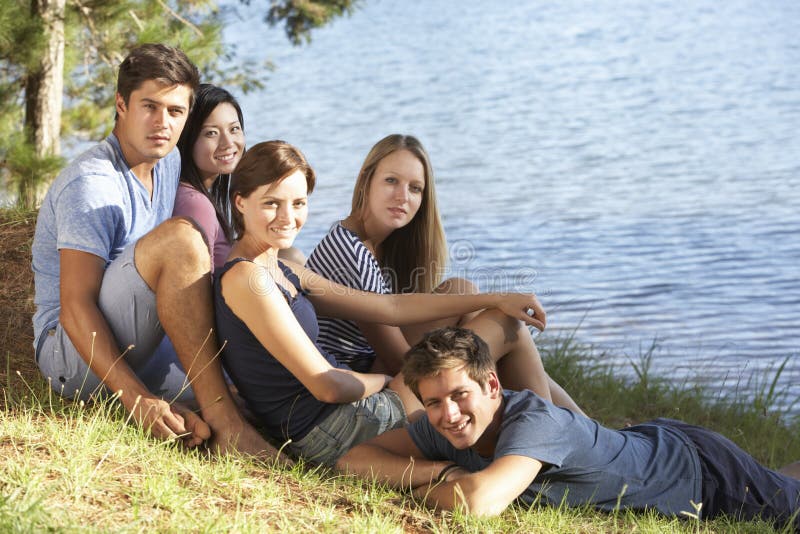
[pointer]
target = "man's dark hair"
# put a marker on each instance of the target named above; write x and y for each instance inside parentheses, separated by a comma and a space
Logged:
(159, 62)
(448, 348)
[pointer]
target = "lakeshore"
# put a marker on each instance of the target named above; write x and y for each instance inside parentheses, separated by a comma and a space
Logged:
(69, 466)
(636, 164)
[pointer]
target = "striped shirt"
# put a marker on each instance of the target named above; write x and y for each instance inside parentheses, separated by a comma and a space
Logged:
(342, 258)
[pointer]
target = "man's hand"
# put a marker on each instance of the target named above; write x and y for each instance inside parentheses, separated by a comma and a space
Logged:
(169, 422)
(197, 430)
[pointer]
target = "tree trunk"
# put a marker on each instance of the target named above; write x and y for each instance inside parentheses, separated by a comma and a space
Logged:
(44, 88)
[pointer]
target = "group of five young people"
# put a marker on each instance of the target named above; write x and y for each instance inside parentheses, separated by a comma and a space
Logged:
(113, 270)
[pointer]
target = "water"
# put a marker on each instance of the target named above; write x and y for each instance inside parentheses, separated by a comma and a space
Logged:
(636, 163)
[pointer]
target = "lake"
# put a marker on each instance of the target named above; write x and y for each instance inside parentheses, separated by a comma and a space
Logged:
(635, 163)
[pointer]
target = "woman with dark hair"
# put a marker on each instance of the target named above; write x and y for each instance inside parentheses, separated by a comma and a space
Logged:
(266, 320)
(211, 144)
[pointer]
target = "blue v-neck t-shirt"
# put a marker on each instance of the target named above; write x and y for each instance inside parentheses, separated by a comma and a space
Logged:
(95, 205)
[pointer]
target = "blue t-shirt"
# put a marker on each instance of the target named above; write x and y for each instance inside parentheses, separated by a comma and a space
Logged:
(285, 407)
(95, 205)
(645, 466)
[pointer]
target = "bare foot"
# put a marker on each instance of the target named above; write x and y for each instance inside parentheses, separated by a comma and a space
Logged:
(791, 470)
(244, 439)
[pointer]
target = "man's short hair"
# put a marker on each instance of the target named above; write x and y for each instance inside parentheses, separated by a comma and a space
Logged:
(159, 62)
(448, 348)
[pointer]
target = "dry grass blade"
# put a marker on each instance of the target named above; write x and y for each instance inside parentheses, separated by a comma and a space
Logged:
(16, 294)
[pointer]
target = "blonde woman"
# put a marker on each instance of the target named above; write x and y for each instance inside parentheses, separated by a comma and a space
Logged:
(393, 243)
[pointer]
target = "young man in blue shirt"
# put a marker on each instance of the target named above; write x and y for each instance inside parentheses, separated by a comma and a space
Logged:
(111, 268)
(481, 448)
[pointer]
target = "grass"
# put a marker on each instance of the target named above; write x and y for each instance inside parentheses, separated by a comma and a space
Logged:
(68, 467)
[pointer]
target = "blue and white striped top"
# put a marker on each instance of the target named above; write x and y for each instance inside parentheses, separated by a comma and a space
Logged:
(342, 258)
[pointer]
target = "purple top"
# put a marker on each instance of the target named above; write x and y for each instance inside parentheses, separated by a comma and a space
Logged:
(190, 202)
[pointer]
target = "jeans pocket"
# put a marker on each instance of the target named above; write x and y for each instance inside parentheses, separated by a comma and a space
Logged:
(317, 447)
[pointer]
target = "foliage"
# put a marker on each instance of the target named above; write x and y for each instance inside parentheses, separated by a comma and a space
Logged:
(98, 35)
(301, 16)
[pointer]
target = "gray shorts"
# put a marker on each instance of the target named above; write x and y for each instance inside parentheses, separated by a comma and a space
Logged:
(349, 425)
(129, 307)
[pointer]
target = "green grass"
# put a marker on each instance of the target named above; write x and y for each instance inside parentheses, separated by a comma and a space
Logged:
(70, 467)
(66, 467)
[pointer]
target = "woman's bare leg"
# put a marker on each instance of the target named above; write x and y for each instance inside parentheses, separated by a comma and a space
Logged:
(562, 398)
(451, 286)
(411, 403)
(519, 364)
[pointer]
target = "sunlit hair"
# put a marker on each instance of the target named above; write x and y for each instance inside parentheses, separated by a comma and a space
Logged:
(415, 255)
(207, 99)
(161, 63)
(445, 348)
(263, 164)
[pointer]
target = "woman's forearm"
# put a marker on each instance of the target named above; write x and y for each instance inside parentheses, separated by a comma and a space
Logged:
(410, 308)
(339, 386)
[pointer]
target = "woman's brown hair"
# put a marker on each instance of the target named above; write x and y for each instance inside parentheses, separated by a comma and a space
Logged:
(263, 164)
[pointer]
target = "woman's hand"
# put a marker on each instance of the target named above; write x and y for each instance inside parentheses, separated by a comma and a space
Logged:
(525, 307)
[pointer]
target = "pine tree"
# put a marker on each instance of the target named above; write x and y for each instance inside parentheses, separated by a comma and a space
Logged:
(58, 61)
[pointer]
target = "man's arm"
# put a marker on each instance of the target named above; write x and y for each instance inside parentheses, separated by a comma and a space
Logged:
(487, 492)
(392, 458)
(80, 280)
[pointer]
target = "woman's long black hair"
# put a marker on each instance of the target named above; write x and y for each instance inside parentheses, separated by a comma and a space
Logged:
(208, 97)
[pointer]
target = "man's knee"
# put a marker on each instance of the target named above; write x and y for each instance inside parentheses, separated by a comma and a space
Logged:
(176, 241)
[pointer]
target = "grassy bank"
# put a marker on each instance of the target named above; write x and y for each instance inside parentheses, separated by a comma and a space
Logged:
(69, 467)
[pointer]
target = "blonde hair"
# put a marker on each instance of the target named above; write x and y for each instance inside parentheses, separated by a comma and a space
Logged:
(415, 255)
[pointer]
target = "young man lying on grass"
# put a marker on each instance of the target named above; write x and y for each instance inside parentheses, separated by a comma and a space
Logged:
(481, 448)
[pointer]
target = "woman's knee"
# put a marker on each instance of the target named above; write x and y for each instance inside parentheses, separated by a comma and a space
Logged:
(457, 286)
(497, 316)
(292, 254)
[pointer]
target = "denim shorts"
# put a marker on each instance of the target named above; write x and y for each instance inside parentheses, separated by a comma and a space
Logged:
(129, 307)
(349, 425)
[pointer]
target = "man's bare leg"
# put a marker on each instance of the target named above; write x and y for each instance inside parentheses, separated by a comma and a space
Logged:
(174, 261)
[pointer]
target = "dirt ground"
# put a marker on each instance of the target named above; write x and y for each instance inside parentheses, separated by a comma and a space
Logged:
(16, 299)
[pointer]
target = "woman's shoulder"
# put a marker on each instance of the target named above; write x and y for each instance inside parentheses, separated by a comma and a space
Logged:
(339, 245)
(342, 257)
(188, 199)
(187, 190)
(338, 233)
(237, 269)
